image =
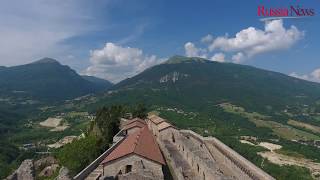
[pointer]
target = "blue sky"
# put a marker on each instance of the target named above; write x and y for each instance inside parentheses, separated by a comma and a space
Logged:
(115, 39)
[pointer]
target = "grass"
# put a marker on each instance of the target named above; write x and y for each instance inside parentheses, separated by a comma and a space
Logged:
(52, 177)
(289, 153)
(190, 121)
(285, 131)
(313, 128)
(281, 130)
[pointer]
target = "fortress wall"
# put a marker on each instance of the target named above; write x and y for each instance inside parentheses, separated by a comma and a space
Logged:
(169, 134)
(242, 168)
(246, 166)
(229, 165)
(112, 168)
(176, 172)
(153, 128)
(199, 165)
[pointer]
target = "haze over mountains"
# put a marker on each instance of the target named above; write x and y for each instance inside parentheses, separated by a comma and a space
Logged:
(47, 79)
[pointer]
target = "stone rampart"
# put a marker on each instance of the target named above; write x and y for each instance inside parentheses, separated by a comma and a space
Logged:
(241, 167)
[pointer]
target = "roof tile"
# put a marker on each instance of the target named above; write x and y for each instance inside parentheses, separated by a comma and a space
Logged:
(141, 143)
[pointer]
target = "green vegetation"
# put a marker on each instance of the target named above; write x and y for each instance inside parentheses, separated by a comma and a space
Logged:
(305, 126)
(107, 122)
(228, 127)
(309, 152)
(140, 111)
(52, 177)
(283, 131)
(78, 154)
(46, 79)
(8, 153)
(287, 172)
(279, 172)
(262, 103)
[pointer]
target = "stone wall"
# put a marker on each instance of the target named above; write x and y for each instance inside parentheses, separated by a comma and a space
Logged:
(199, 158)
(137, 165)
(169, 133)
(240, 167)
(175, 171)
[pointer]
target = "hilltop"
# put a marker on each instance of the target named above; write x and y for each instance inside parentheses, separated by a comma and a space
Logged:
(47, 79)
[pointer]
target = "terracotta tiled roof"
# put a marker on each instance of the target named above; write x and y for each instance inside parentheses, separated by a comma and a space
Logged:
(134, 120)
(156, 119)
(141, 143)
(164, 125)
(134, 124)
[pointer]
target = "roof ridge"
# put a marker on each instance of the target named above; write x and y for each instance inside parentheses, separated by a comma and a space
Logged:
(137, 139)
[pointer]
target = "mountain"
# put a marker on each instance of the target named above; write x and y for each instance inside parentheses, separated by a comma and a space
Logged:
(101, 83)
(46, 79)
(200, 83)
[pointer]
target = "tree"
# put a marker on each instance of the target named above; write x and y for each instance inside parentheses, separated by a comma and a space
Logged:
(140, 111)
(78, 154)
(108, 121)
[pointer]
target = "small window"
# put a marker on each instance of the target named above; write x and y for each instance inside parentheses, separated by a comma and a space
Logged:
(198, 167)
(173, 139)
(128, 168)
(142, 165)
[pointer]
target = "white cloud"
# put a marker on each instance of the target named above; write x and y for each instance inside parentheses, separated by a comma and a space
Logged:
(207, 39)
(192, 51)
(31, 29)
(296, 75)
(313, 76)
(115, 63)
(219, 57)
(316, 74)
(252, 41)
(238, 58)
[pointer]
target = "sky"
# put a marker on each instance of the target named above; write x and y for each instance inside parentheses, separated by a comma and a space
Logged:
(116, 39)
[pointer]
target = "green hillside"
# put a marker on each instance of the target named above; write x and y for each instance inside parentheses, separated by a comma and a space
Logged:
(199, 83)
(46, 79)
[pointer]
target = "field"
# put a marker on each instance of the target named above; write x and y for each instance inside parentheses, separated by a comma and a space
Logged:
(51, 122)
(279, 129)
(313, 128)
(282, 159)
(231, 124)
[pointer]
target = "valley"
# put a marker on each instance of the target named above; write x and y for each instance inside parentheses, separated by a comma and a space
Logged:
(190, 93)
